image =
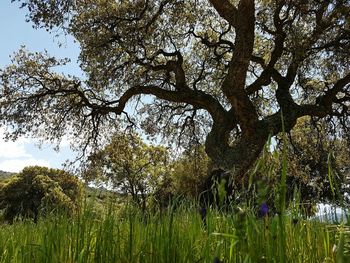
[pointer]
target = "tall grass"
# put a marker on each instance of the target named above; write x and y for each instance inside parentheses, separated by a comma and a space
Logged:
(176, 235)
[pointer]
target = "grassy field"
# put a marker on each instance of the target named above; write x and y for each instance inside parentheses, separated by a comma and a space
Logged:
(175, 235)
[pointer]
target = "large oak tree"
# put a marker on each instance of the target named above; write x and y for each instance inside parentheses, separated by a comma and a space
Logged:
(222, 70)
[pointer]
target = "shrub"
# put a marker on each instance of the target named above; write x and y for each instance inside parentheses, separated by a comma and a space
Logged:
(37, 191)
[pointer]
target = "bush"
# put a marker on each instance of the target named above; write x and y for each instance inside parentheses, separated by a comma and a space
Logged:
(37, 191)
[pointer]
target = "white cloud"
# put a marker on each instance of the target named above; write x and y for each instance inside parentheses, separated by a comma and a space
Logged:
(11, 149)
(14, 156)
(16, 165)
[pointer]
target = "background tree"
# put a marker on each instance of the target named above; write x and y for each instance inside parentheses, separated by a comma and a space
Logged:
(318, 163)
(189, 170)
(39, 190)
(4, 176)
(130, 166)
(219, 70)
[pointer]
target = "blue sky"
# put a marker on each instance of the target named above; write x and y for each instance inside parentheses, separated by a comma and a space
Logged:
(15, 32)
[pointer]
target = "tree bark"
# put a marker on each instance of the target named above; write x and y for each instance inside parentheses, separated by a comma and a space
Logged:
(238, 157)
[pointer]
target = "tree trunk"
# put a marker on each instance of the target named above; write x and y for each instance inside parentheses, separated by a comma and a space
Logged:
(231, 161)
(238, 157)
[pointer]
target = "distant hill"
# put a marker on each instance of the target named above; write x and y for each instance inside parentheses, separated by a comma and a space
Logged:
(5, 175)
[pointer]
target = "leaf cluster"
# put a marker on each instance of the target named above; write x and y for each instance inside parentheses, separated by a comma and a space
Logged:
(38, 191)
(128, 165)
(318, 162)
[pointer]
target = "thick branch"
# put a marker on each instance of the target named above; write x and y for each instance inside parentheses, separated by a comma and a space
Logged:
(321, 109)
(268, 72)
(234, 83)
(324, 102)
(198, 99)
(226, 10)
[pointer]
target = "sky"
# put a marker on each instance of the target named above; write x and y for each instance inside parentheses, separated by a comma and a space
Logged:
(16, 32)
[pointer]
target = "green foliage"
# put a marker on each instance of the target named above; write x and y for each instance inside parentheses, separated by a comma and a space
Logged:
(219, 71)
(38, 191)
(130, 166)
(4, 176)
(189, 171)
(313, 173)
(317, 162)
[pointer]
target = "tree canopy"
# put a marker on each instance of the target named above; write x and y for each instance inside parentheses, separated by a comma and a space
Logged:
(220, 71)
(37, 191)
(318, 163)
(189, 171)
(129, 166)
